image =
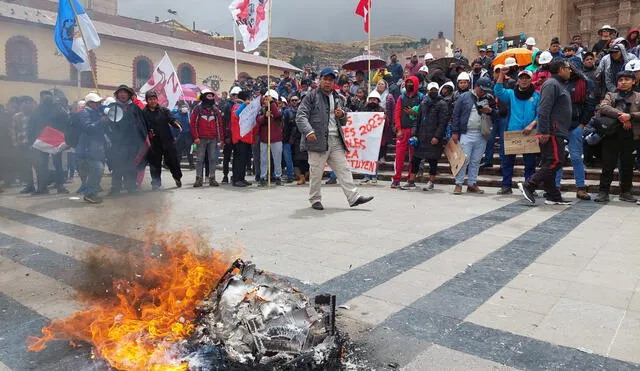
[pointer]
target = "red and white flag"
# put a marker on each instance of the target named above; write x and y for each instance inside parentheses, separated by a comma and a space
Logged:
(50, 141)
(363, 11)
(165, 82)
(252, 18)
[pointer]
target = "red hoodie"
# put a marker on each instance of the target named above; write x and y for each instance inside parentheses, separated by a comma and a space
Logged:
(399, 103)
(634, 42)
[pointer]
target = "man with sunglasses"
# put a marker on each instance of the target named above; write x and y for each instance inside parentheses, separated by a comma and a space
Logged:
(554, 119)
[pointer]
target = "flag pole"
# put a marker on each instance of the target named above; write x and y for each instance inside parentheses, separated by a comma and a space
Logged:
(369, 49)
(93, 73)
(235, 51)
(269, 104)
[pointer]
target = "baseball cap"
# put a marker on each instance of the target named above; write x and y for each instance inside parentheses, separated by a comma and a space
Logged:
(525, 72)
(328, 71)
(433, 85)
(485, 84)
(616, 48)
(633, 66)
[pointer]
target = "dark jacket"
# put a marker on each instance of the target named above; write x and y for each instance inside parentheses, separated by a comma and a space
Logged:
(313, 116)
(276, 124)
(462, 110)
(432, 122)
(554, 109)
(289, 120)
(402, 120)
(128, 136)
(92, 135)
(159, 123)
(50, 114)
(396, 71)
(615, 103)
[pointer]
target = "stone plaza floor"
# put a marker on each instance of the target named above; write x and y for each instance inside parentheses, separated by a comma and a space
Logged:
(426, 280)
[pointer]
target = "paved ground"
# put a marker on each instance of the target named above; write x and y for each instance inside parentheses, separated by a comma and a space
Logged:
(430, 281)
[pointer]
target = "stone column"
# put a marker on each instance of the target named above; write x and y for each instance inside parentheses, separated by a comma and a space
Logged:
(624, 17)
(587, 28)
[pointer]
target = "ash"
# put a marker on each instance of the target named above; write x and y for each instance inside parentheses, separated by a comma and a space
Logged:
(253, 320)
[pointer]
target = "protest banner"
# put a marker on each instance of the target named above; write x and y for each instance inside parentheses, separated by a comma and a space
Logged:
(516, 143)
(248, 116)
(455, 155)
(363, 135)
(164, 81)
(50, 141)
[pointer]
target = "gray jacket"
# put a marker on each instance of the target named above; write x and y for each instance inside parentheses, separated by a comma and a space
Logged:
(313, 116)
(554, 108)
(605, 72)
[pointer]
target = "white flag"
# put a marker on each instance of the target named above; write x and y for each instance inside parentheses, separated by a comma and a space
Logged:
(248, 116)
(252, 18)
(165, 82)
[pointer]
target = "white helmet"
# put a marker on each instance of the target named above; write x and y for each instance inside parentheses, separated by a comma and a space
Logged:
(464, 76)
(93, 97)
(108, 101)
(283, 99)
(273, 94)
(428, 56)
(530, 41)
(235, 90)
(545, 58)
(424, 69)
(374, 94)
(633, 66)
(433, 85)
(449, 84)
(510, 62)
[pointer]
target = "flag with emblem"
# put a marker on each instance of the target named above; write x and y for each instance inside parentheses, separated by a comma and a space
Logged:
(252, 18)
(72, 23)
(363, 11)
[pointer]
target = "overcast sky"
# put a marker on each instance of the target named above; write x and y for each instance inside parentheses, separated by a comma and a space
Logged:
(318, 20)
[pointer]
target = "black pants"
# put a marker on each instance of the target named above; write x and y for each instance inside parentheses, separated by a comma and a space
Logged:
(156, 154)
(227, 150)
(433, 164)
(552, 156)
(616, 147)
(184, 145)
(42, 171)
(241, 156)
(123, 175)
(26, 167)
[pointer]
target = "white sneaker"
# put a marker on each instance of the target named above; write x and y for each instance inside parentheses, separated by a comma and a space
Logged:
(557, 202)
(638, 202)
(429, 186)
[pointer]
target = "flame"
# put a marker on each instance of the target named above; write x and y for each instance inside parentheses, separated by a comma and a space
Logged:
(140, 325)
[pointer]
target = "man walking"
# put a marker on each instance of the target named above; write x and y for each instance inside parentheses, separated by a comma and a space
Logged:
(320, 118)
(90, 148)
(554, 119)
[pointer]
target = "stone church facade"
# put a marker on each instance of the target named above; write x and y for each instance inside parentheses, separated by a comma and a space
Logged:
(476, 20)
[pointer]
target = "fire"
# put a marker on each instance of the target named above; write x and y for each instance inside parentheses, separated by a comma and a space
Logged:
(140, 324)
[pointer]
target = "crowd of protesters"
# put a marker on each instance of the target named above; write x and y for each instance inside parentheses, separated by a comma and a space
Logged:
(584, 103)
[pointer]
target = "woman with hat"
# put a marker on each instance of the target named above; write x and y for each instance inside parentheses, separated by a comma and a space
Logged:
(128, 132)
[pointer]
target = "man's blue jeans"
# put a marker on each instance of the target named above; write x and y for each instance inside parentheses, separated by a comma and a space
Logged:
(287, 152)
(508, 161)
(91, 171)
(576, 149)
(497, 131)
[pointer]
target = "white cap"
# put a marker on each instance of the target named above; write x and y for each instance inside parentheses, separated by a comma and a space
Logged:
(374, 94)
(525, 72)
(464, 76)
(235, 90)
(510, 62)
(284, 100)
(530, 41)
(273, 94)
(545, 57)
(424, 69)
(93, 97)
(81, 103)
(633, 66)
(108, 101)
(428, 56)
(433, 85)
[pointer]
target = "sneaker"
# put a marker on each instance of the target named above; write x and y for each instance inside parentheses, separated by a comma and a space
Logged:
(155, 187)
(395, 185)
(457, 190)
(475, 189)
(178, 183)
(247, 183)
(582, 194)
(213, 183)
(225, 180)
(332, 181)
(240, 184)
(93, 199)
(505, 191)
(198, 182)
(627, 197)
(638, 203)
(409, 185)
(602, 197)
(290, 180)
(527, 193)
(559, 201)
(263, 183)
(429, 186)
(63, 191)
(27, 190)
(317, 206)
(278, 182)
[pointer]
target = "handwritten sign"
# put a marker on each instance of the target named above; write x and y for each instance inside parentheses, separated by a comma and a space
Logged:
(516, 143)
(455, 155)
(363, 134)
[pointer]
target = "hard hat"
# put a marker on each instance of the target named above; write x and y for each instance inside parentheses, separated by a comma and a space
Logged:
(424, 69)
(510, 62)
(433, 85)
(428, 56)
(204, 92)
(530, 41)
(633, 66)
(374, 94)
(93, 97)
(545, 57)
(235, 90)
(464, 76)
(273, 94)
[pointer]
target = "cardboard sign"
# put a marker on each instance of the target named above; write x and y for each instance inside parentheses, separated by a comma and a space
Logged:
(516, 143)
(455, 155)
(363, 134)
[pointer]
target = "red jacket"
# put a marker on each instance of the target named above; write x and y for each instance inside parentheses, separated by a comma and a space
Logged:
(399, 107)
(206, 123)
(249, 138)
(276, 125)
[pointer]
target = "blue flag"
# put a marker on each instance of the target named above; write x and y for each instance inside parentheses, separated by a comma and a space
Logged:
(68, 37)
